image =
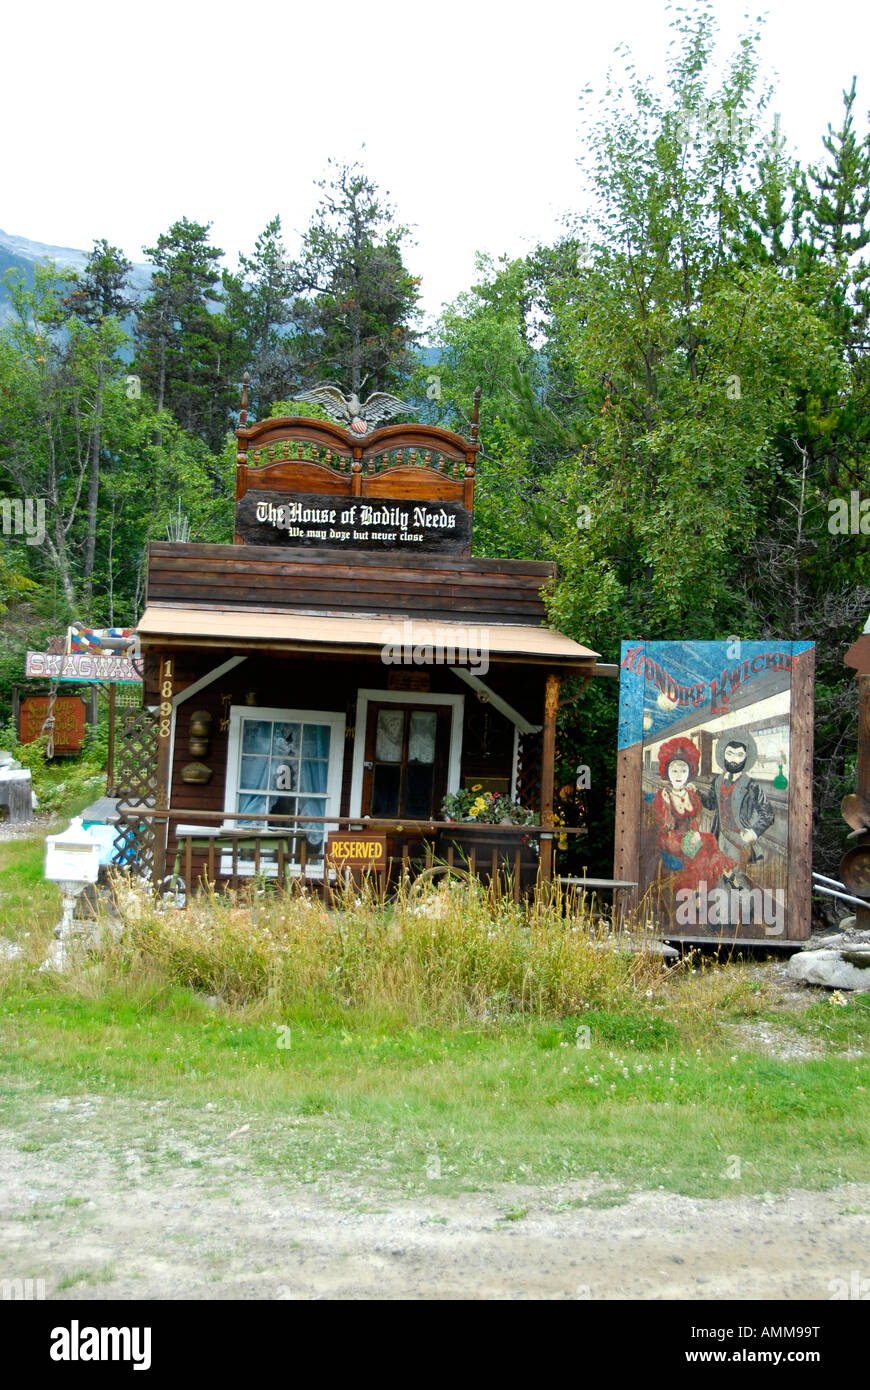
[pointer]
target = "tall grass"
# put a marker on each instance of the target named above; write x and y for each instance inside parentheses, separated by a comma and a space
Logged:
(454, 954)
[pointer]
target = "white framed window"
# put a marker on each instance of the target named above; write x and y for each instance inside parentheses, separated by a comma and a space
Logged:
(284, 762)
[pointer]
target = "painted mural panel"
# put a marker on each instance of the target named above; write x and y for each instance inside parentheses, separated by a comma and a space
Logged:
(706, 730)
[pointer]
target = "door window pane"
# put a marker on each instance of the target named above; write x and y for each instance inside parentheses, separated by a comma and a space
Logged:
(313, 776)
(285, 775)
(421, 736)
(314, 834)
(390, 735)
(385, 789)
(286, 741)
(419, 778)
(315, 741)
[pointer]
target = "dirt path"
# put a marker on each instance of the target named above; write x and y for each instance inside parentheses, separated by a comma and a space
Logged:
(72, 1219)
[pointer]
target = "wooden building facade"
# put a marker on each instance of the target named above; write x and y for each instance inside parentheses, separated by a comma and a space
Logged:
(346, 663)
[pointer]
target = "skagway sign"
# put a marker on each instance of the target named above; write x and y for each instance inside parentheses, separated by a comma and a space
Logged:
(383, 523)
(82, 666)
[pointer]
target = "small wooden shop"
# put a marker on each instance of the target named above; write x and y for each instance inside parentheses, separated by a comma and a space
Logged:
(323, 682)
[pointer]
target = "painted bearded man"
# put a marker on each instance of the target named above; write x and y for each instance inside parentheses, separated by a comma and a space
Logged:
(741, 811)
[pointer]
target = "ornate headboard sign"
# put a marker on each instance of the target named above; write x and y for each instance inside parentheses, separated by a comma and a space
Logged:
(306, 483)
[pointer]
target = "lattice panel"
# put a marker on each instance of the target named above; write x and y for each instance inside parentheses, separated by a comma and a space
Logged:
(136, 785)
(529, 759)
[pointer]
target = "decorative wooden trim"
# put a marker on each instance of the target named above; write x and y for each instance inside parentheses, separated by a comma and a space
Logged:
(422, 463)
(626, 854)
(165, 713)
(330, 435)
(798, 925)
(208, 679)
(548, 769)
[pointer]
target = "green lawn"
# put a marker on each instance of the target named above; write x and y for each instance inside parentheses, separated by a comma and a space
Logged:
(521, 1103)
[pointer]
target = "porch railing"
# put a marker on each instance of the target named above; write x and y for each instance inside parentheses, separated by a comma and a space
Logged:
(202, 849)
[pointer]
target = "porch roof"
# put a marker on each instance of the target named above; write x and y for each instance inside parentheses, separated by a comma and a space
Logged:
(165, 624)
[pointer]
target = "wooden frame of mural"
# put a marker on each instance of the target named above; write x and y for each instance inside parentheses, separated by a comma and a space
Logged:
(714, 787)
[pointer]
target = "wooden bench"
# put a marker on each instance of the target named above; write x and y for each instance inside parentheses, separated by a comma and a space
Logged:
(615, 885)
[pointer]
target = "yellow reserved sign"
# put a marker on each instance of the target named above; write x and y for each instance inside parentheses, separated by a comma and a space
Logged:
(356, 849)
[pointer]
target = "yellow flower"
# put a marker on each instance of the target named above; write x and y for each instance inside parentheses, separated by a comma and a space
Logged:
(478, 787)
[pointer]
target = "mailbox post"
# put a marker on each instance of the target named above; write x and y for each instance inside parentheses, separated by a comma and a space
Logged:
(72, 860)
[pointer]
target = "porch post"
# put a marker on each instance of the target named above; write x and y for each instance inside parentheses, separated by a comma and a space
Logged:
(548, 772)
(161, 798)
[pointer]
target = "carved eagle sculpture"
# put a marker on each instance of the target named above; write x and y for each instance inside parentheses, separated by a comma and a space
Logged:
(348, 410)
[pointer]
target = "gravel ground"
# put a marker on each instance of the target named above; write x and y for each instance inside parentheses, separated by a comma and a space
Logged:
(19, 830)
(78, 1221)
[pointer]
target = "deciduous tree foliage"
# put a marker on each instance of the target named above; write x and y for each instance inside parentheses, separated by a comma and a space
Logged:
(698, 395)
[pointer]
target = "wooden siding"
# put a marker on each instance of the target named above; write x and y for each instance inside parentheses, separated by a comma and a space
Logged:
(222, 576)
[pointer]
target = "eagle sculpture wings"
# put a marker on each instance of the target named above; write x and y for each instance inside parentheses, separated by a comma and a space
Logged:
(348, 410)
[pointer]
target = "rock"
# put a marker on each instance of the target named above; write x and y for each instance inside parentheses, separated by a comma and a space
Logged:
(839, 940)
(10, 950)
(827, 969)
(859, 956)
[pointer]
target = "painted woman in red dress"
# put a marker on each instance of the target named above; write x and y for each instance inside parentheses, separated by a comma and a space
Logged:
(678, 810)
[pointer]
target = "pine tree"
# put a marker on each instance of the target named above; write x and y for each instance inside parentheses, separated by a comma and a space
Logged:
(356, 301)
(180, 337)
(834, 204)
(259, 310)
(100, 291)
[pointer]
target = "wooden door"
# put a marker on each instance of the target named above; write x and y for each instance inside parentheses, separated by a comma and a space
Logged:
(406, 761)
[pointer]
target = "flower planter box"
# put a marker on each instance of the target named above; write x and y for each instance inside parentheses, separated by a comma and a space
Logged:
(485, 850)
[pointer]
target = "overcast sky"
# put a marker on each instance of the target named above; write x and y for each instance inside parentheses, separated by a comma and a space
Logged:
(121, 118)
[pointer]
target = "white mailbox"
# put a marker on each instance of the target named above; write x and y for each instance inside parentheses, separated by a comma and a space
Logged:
(73, 857)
